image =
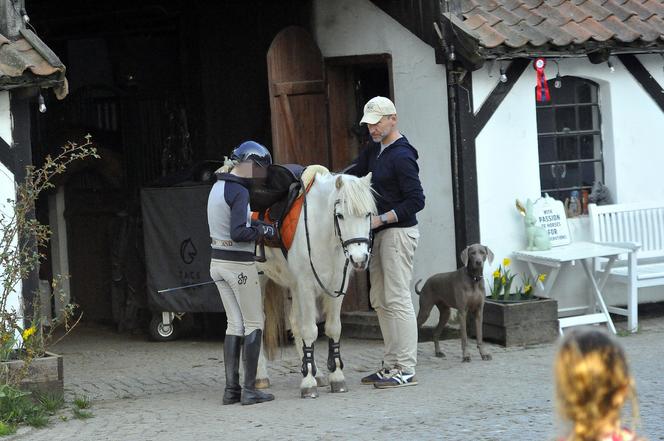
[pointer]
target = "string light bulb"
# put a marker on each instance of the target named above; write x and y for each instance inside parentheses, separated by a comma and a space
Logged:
(42, 103)
(503, 75)
(24, 16)
(450, 53)
(558, 82)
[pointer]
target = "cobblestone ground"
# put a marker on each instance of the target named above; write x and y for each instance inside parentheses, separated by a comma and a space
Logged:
(172, 391)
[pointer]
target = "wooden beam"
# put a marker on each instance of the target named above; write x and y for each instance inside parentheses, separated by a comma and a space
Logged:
(19, 102)
(6, 156)
(498, 94)
(463, 157)
(643, 77)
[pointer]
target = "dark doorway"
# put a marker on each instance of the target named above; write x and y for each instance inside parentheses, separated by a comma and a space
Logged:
(162, 86)
(352, 81)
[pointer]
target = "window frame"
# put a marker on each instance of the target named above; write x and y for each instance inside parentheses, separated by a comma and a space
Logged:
(577, 134)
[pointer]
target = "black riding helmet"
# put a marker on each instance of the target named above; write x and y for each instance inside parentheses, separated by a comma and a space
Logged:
(252, 151)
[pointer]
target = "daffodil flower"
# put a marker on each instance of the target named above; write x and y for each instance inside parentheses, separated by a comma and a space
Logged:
(506, 261)
(541, 277)
(527, 288)
(28, 332)
(496, 274)
(503, 280)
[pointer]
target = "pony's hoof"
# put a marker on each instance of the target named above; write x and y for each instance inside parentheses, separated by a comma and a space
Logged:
(262, 383)
(321, 382)
(466, 359)
(338, 386)
(440, 354)
(309, 392)
(486, 357)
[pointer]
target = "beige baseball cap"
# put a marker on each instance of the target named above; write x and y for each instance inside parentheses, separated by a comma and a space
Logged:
(376, 108)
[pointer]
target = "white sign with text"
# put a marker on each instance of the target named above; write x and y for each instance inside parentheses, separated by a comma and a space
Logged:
(550, 215)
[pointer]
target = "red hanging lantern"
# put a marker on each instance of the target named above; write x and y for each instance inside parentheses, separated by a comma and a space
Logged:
(542, 89)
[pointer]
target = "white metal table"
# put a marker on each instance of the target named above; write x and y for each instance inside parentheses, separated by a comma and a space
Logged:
(558, 257)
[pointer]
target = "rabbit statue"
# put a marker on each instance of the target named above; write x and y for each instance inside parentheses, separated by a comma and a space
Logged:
(538, 239)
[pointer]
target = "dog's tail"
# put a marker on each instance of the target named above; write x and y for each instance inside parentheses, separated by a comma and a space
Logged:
(417, 291)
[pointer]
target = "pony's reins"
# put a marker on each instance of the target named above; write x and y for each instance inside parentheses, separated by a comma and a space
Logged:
(340, 292)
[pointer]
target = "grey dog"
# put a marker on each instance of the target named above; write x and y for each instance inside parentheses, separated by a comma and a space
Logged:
(462, 290)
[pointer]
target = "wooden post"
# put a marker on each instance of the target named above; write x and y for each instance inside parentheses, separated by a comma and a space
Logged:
(464, 164)
(11, 20)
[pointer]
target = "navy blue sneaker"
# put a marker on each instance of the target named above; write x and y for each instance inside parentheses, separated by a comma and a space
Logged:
(396, 378)
(379, 375)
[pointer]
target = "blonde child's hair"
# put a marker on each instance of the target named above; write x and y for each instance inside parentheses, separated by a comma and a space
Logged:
(592, 382)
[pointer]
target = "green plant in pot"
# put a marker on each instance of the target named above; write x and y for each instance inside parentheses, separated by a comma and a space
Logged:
(504, 280)
(24, 335)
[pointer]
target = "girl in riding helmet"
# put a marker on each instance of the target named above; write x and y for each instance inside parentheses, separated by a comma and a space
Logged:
(233, 268)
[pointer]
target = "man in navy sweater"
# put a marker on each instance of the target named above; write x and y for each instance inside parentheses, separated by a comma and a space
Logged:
(395, 177)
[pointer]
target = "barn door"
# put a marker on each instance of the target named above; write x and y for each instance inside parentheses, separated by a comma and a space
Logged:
(300, 128)
(297, 99)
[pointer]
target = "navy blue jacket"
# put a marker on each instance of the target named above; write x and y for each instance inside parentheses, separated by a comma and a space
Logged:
(395, 177)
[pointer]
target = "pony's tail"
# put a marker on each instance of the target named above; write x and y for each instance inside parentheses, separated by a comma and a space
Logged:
(274, 304)
(417, 291)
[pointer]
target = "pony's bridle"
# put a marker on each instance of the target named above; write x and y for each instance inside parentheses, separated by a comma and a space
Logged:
(344, 245)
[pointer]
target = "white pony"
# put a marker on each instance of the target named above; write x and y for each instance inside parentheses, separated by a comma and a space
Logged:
(333, 238)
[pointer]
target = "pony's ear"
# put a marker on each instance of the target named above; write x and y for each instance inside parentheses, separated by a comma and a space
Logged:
(339, 182)
(367, 179)
(464, 256)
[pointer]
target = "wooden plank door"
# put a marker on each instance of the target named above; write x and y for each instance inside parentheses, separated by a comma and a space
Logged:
(299, 116)
(297, 99)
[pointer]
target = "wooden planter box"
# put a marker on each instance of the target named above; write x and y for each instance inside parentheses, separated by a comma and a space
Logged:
(518, 323)
(44, 375)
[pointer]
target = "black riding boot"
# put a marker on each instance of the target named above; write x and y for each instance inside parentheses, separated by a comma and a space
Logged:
(233, 391)
(252, 349)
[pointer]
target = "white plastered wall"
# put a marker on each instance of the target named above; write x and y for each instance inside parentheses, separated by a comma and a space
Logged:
(358, 27)
(7, 185)
(507, 158)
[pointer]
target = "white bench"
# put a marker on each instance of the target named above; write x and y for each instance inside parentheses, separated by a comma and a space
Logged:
(640, 227)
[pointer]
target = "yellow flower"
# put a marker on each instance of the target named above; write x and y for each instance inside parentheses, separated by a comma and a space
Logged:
(503, 280)
(506, 261)
(496, 274)
(527, 288)
(28, 332)
(541, 277)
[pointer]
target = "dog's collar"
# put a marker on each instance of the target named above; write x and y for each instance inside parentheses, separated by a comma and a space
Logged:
(475, 278)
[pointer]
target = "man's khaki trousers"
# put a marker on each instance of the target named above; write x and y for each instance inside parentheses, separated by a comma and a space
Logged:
(391, 271)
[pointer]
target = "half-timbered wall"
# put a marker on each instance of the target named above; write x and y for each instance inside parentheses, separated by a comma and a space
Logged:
(344, 28)
(507, 155)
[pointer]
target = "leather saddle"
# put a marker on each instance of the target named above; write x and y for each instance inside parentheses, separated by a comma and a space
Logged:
(273, 196)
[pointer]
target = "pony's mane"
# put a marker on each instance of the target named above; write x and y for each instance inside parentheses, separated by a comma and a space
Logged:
(357, 196)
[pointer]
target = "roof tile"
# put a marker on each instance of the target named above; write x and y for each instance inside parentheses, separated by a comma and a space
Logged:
(475, 21)
(596, 11)
(517, 23)
(531, 16)
(599, 32)
(506, 16)
(647, 32)
(621, 32)
(654, 6)
(512, 37)
(552, 14)
(570, 10)
(618, 11)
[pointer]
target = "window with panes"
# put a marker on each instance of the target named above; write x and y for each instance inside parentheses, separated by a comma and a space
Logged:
(569, 138)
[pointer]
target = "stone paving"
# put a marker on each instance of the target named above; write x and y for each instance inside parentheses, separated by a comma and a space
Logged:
(172, 391)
